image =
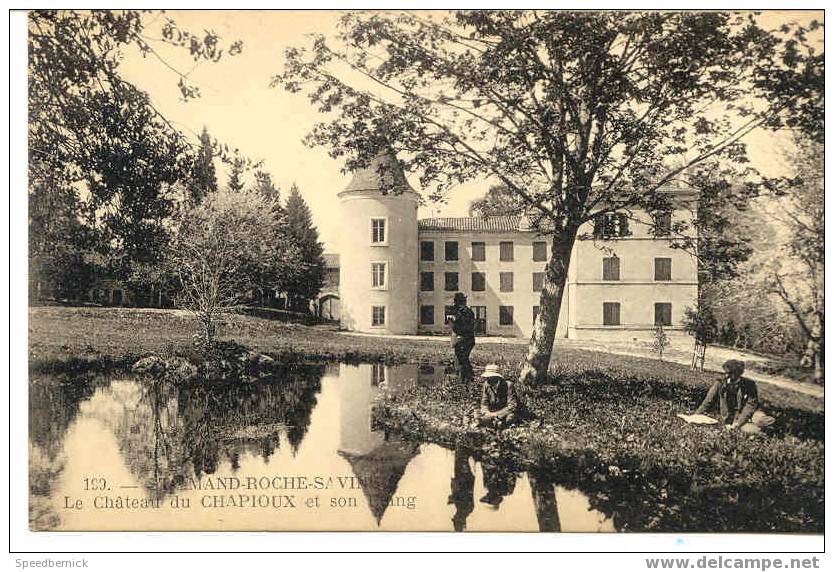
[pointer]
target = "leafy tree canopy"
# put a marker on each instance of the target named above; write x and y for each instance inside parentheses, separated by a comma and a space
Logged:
(92, 130)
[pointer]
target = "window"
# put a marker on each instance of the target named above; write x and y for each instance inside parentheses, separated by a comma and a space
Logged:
(505, 315)
(538, 281)
(426, 250)
(536, 312)
(539, 251)
(611, 268)
(480, 319)
(610, 313)
(506, 281)
(663, 313)
(427, 281)
(478, 251)
(427, 315)
(662, 223)
(451, 250)
(377, 374)
(662, 268)
(378, 274)
(378, 231)
(611, 225)
(451, 281)
(506, 251)
(377, 316)
(478, 281)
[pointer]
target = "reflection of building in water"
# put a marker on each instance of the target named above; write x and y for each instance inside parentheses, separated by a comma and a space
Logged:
(428, 374)
(377, 462)
(463, 490)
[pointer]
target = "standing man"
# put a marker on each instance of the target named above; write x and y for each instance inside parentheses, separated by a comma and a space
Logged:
(463, 336)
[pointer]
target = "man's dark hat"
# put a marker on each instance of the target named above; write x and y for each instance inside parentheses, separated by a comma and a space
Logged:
(460, 296)
(734, 366)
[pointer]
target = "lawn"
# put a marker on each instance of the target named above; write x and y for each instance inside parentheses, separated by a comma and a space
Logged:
(606, 423)
(66, 337)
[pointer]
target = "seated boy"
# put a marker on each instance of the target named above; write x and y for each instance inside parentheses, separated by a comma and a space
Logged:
(500, 406)
(738, 400)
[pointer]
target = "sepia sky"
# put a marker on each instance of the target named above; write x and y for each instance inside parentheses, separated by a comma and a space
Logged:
(240, 108)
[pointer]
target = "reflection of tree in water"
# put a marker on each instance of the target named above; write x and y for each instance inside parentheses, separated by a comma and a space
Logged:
(53, 406)
(543, 490)
(148, 433)
(172, 432)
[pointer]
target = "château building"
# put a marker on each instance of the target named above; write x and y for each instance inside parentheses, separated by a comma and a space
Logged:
(398, 274)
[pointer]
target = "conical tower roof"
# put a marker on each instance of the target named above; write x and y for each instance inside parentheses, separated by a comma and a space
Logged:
(384, 173)
(380, 470)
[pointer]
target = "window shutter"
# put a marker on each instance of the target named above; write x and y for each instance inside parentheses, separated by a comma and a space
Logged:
(599, 226)
(623, 223)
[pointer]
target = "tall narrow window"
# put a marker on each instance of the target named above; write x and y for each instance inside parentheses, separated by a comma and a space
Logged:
(506, 251)
(480, 319)
(506, 281)
(378, 235)
(427, 281)
(611, 313)
(478, 251)
(426, 250)
(539, 251)
(377, 316)
(478, 281)
(538, 281)
(378, 277)
(505, 315)
(451, 250)
(451, 281)
(611, 268)
(662, 223)
(427, 315)
(377, 374)
(663, 313)
(663, 269)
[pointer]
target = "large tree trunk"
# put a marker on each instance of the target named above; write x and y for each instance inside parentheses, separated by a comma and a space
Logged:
(534, 369)
(543, 491)
(815, 349)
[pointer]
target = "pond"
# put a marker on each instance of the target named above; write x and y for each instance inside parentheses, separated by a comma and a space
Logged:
(293, 453)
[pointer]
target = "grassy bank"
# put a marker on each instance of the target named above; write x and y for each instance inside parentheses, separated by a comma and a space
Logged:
(65, 339)
(615, 437)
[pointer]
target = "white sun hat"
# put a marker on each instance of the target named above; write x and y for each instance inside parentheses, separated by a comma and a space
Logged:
(491, 371)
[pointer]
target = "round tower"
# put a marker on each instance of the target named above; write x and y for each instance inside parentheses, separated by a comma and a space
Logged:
(378, 263)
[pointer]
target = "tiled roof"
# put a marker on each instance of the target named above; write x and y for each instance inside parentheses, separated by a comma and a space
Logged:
(490, 224)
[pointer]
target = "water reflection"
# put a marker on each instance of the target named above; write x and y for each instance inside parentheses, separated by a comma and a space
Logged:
(165, 445)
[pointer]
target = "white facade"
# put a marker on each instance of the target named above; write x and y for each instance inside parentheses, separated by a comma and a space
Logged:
(378, 263)
(398, 274)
